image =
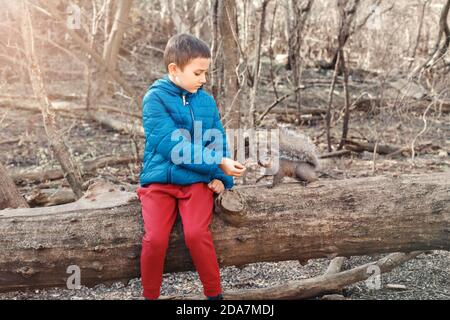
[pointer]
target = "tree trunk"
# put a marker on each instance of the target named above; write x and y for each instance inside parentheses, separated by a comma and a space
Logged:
(346, 120)
(102, 65)
(101, 233)
(443, 40)
(301, 12)
(69, 166)
(256, 67)
(229, 37)
(347, 12)
(111, 48)
(9, 195)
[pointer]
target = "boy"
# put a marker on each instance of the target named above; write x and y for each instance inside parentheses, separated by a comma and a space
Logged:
(182, 173)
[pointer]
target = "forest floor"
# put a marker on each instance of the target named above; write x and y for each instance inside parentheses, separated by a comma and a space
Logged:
(425, 277)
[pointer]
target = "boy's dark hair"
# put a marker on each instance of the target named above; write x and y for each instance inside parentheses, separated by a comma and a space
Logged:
(182, 48)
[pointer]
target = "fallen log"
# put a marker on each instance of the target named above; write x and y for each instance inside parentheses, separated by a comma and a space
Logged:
(63, 106)
(9, 141)
(385, 149)
(101, 233)
(333, 154)
(130, 127)
(50, 197)
(88, 166)
(370, 147)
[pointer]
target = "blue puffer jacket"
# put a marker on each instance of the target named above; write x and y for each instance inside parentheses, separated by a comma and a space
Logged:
(167, 108)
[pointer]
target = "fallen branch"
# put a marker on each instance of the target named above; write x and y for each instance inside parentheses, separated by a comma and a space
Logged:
(335, 265)
(333, 154)
(63, 107)
(370, 147)
(316, 286)
(88, 166)
(50, 197)
(120, 126)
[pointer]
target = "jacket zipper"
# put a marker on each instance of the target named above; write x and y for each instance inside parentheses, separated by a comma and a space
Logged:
(169, 172)
(192, 113)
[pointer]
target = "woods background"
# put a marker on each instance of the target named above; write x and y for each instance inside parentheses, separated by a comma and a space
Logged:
(367, 80)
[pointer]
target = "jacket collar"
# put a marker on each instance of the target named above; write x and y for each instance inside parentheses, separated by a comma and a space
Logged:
(172, 87)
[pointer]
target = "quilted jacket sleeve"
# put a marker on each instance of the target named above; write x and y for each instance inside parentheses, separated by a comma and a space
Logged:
(228, 181)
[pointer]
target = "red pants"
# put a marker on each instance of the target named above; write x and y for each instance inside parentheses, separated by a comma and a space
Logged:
(159, 210)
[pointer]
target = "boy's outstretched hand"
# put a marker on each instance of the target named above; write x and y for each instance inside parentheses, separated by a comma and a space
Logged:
(216, 186)
(231, 167)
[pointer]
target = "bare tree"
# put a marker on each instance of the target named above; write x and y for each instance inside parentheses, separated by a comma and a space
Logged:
(60, 150)
(217, 68)
(347, 100)
(301, 12)
(256, 66)
(112, 46)
(348, 26)
(419, 32)
(443, 39)
(84, 46)
(347, 12)
(226, 85)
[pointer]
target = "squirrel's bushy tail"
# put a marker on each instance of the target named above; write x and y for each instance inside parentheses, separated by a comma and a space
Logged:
(298, 146)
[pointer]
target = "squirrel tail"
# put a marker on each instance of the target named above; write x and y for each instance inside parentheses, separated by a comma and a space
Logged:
(298, 146)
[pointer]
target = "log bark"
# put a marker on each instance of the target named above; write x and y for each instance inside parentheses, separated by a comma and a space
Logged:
(101, 233)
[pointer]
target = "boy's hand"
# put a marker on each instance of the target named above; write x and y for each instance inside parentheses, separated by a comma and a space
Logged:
(216, 186)
(231, 167)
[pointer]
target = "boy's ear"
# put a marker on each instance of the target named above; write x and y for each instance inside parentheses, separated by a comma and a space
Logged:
(172, 67)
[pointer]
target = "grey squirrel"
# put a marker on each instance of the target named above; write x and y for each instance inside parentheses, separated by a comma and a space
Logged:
(297, 158)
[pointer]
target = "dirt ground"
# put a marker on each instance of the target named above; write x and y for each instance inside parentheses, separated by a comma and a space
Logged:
(426, 277)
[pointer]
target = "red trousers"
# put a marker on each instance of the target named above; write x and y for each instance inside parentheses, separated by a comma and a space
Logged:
(159, 210)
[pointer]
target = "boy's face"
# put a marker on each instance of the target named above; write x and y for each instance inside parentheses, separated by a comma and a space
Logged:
(193, 75)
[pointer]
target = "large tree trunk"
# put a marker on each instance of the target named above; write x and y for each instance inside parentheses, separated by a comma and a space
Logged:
(230, 107)
(101, 233)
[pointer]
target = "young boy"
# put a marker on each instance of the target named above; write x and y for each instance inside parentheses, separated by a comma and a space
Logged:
(182, 174)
